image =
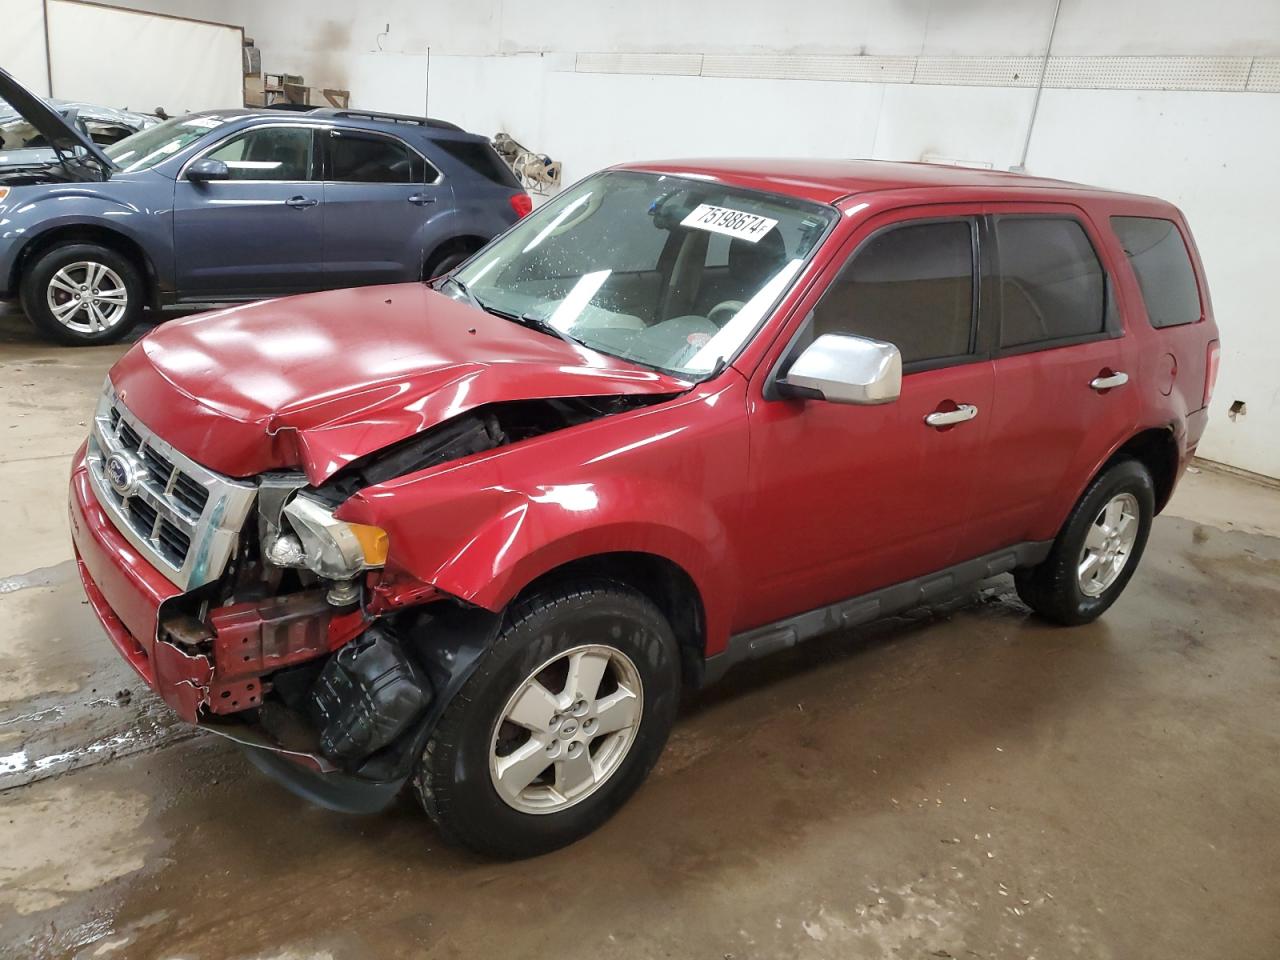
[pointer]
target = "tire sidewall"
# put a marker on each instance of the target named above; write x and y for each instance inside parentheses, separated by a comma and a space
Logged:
(616, 618)
(36, 283)
(1128, 476)
(442, 265)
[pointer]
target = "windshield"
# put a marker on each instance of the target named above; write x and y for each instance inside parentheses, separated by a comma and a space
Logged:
(665, 271)
(148, 147)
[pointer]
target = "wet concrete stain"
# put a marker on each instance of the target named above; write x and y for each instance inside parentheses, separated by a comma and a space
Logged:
(972, 782)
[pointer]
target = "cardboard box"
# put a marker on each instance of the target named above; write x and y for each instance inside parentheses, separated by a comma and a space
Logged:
(255, 94)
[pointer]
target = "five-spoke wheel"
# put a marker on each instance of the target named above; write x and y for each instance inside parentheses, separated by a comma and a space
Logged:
(551, 750)
(564, 716)
(1108, 544)
(1097, 549)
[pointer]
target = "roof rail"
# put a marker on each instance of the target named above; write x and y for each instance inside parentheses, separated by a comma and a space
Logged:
(389, 117)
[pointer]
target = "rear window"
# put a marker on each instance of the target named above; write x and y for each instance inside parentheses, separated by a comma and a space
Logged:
(1163, 266)
(1052, 286)
(482, 159)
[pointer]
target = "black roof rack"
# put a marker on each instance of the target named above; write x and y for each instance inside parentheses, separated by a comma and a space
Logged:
(389, 117)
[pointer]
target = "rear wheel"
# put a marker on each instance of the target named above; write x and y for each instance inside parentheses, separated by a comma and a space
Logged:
(1097, 550)
(448, 258)
(83, 293)
(561, 722)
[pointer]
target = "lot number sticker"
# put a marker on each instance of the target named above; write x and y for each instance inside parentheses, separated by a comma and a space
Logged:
(732, 223)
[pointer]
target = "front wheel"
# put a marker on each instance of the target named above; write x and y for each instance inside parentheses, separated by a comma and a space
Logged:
(1096, 551)
(561, 722)
(83, 294)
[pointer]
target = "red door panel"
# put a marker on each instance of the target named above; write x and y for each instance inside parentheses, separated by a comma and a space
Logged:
(1048, 431)
(846, 499)
(1051, 427)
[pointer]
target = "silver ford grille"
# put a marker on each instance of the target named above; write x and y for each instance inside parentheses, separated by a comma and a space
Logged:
(184, 518)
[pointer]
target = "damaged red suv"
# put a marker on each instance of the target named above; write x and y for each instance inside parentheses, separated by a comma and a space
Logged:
(475, 536)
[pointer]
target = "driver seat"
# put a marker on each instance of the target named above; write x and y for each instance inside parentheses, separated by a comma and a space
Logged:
(751, 265)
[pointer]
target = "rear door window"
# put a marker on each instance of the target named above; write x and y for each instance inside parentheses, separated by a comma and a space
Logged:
(356, 158)
(1160, 260)
(1051, 285)
(911, 286)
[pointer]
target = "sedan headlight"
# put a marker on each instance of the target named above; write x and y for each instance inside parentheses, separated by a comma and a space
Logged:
(332, 548)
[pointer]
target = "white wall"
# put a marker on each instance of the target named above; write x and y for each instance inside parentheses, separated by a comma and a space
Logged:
(179, 64)
(120, 58)
(22, 48)
(514, 66)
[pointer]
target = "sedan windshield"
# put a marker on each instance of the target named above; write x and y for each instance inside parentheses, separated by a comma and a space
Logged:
(148, 147)
(669, 272)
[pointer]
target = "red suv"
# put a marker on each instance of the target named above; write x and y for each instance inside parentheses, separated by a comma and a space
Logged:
(477, 534)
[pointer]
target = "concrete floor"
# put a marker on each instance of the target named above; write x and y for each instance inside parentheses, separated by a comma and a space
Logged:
(963, 784)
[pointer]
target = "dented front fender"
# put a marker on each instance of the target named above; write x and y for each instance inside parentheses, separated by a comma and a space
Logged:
(663, 480)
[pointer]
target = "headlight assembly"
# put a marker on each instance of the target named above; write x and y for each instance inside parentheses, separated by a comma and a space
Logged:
(331, 548)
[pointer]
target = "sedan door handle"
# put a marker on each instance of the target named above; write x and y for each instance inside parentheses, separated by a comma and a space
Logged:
(1107, 381)
(297, 202)
(948, 418)
(422, 198)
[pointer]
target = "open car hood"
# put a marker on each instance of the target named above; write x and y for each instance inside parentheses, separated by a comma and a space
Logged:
(314, 382)
(58, 133)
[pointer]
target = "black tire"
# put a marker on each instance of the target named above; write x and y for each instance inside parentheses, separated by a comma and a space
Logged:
(453, 779)
(1052, 588)
(447, 259)
(35, 287)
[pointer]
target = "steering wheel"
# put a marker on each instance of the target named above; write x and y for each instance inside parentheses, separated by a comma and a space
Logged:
(728, 307)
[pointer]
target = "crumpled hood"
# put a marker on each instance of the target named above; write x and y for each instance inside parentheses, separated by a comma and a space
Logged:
(313, 382)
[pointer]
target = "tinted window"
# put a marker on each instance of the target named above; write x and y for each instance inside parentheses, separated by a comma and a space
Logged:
(1160, 260)
(911, 286)
(268, 153)
(357, 159)
(1051, 283)
(480, 158)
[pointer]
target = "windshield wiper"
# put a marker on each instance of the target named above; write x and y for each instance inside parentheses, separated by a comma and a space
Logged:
(524, 319)
(546, 326)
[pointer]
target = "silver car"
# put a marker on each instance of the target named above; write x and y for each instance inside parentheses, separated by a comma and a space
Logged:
(21, 144)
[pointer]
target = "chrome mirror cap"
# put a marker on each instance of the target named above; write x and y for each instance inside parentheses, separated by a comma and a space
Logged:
(845, 369)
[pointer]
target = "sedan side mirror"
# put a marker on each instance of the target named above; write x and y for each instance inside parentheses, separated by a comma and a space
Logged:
(845, 369)
(205, 169)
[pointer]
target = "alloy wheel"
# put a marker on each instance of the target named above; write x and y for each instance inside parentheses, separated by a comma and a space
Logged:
(87, 297)
(566, 729)
(1108, 545)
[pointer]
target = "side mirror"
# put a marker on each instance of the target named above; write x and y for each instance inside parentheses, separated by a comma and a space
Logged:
(845, 369)
(205, 169)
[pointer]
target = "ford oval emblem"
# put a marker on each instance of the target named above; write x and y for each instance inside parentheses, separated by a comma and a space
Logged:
(120, 474)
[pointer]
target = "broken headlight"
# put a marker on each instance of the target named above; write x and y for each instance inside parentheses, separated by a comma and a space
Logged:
(313, 538)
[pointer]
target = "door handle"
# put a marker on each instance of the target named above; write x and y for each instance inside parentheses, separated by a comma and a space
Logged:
(298, 202)
(1108, 381)
(421, 198)
(947, 418)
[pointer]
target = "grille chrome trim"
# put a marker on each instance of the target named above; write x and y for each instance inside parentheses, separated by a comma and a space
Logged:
(210, 532)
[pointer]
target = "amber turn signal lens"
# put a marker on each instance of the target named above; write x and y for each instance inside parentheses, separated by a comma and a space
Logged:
(373, 543)
(4, 192)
